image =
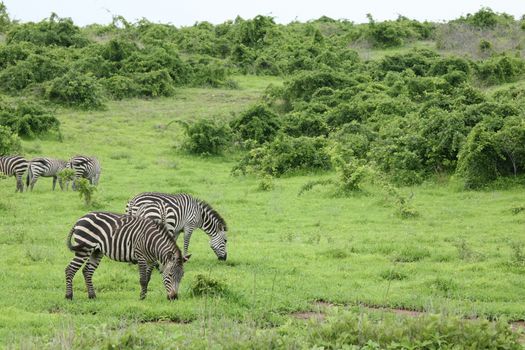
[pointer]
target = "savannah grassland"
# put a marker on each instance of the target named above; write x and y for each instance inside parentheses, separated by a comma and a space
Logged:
(462, 256)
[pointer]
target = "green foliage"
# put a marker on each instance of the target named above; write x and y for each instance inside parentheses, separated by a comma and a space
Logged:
(500, 69)
(486, 18)
(205, 285)
(28, 118)
(9, 141)
(259, 124)
(425, 332)
(266, 184)
(85, 190)
(66, 175)
(206, 137)
(286, 154)
(76, 90)
(154, 84)
(120, 87)
(51, 31)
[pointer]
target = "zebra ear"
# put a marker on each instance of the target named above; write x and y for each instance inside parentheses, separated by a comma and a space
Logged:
(187, 257)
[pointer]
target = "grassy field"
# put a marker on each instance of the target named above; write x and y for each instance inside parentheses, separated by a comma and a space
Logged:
(463, 255)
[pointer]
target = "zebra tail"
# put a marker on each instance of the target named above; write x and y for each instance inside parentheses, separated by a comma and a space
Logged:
(70, 245)
(29, 174)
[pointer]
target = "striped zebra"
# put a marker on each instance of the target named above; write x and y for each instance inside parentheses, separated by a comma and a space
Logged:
(123, 238)
(45, 167)
(85, 167)
(14, 166)
(183, 213)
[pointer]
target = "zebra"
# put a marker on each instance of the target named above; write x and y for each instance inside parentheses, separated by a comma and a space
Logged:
(123, 238)
(85, 167)
(184, 213)
(45, 167)
(14, 166)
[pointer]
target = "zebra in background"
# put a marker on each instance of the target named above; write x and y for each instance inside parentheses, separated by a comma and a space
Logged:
(14, 166)
(123, 238)
(45, 167)
(183, 213)
(85, 167)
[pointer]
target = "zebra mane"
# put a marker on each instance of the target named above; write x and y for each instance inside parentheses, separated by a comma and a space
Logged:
(213, 213)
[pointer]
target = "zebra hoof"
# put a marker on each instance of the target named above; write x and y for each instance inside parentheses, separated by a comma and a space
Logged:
(69, 296)
(92, 296)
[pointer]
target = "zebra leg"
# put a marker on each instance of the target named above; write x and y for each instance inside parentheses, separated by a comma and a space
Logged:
(145, 270)
(71, 269)
(19, 183)
(61, 184)
(187, 235)
(54, 182)
(89, 269)
(32, 183)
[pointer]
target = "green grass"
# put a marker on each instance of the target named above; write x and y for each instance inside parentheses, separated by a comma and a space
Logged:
(285, 251)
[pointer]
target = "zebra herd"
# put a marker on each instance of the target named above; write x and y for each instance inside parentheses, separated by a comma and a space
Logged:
(145, 235)
(83, 167)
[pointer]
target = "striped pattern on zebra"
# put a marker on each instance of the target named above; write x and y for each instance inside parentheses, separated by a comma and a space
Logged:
(184, 213)
(123, 238)
(85, 167)
(14, 166)
(45, 167)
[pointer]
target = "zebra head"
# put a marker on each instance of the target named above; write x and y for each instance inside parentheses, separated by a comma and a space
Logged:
(172, 272)
(215, 226)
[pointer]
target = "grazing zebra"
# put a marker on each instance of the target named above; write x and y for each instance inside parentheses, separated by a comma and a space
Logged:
(14, 166)
(184, 213)
(123, 238)
(45, 167)
(85, 167)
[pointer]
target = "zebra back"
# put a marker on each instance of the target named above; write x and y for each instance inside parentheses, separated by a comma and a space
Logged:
(122, 237)
(13, 165)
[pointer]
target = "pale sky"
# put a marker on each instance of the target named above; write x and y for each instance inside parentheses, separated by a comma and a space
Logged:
(187, 12)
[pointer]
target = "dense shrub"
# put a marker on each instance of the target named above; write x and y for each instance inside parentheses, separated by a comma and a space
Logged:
(258, 123)
(154, 84)
(119, 87)
(500, 69)
(286, 154)
(206, 137)
(27, 118)
(76, 90)
(51, 31)
(477, 161)
(9, 141)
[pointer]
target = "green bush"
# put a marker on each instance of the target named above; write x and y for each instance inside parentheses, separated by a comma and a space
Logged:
(206, 137)
(477, 160)
(28, 118)
(154, 84)
(52, 31)
(286, 154)
(76, 90)
(500, 69)
(258, 123)
(119, 87)
(9, 141)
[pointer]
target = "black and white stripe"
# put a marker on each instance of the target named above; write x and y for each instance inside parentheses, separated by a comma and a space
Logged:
(183, 213)
(45, 167)
(85, 167)
(14, 166)
(123, 238)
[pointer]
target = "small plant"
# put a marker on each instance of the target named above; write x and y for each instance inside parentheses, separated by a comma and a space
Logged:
(203, 285)
(86, 190)
(312, 183)
(266, 184)
(393, 275)
(517, 209)
(65, 176)
(518, 255)
(411, 254)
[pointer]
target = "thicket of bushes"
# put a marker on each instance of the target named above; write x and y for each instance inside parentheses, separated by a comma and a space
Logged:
(406, 115)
